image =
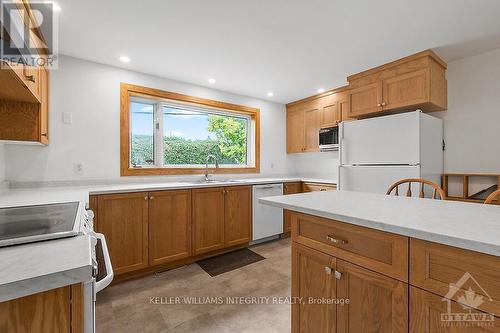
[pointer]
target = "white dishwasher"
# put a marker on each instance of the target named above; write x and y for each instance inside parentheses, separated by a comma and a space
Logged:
(267, 220)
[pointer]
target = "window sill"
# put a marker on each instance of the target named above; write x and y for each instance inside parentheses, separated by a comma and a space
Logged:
(152, 171)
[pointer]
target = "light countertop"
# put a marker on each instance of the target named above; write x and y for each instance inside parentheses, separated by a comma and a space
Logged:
(32, 268)
(36, 267)
(469, 226)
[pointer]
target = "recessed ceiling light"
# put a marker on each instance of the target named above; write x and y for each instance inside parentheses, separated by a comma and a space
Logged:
(124, 58)
(321, 90)
(56, 7)
(270, 94)
(212, 80)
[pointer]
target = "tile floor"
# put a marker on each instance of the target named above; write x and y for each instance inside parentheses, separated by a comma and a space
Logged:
(126, 307)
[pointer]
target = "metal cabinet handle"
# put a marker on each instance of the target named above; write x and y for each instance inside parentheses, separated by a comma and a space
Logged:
(151, 197)
(379, 104)
(146, 198)
(383, 103)
(328, 270)
(30, 78)
(338, 275)
(336, 241)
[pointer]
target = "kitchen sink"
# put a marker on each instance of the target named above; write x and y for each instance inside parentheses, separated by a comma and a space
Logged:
(214, 181)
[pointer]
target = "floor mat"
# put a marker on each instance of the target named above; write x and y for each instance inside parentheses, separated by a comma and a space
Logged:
(229, 261)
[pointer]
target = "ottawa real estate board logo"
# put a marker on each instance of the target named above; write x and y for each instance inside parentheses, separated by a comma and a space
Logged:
(469, 295)
(29, 33)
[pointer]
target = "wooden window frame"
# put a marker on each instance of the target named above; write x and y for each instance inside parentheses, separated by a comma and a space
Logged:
(129, 90)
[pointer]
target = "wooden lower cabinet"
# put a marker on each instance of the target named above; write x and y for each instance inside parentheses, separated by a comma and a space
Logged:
(123, 219)
(289, 188)
(147, 229)
(313, 279)
(169, 226)
(57, 311)
(237, 215)
(377, 303)
(208, 219)
(429, 314)
(313, 187)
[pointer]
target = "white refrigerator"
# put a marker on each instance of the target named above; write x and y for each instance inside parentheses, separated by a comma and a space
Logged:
(377, 152)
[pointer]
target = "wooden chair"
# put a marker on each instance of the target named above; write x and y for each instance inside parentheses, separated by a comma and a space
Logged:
(492, 197)
(422, 182)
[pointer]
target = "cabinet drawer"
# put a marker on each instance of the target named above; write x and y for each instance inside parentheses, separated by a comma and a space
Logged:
(435, 268)
(376, 250)
(313, 187)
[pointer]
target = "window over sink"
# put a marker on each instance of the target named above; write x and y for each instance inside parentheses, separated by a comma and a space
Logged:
(169, 133)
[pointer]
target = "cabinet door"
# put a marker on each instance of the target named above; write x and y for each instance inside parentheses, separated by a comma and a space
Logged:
(32, 79)
(123, 219)
(238, 215)
(44, 105)
(343, 106)
(312, 125)
(295, 131)
(48, 311)
(289, 188)
(429, 314)
(376, 303)
(169, 226)
(208, 219)
(313, 278)
(329, 111)
(405, 90)
(365, 100)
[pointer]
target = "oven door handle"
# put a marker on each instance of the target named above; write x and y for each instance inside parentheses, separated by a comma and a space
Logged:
(100, 285)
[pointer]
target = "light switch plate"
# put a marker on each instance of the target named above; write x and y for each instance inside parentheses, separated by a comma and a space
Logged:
(67, 117)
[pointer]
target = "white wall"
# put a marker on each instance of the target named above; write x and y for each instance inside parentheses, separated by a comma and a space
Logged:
(472, 121)
(322, 164)
(91, 92)
(2, 163)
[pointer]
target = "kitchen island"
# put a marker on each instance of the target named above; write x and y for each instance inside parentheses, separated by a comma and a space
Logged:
(392, 264)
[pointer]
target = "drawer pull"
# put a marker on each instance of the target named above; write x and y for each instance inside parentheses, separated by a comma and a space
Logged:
(336, 241)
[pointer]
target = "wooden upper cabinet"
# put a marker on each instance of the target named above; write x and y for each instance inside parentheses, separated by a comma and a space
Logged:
(123, 219)
(377, 303)
(208, 219)
(366, 99)
(415, 82)
(295, 131)
(238, 215)
(24, 94)
(312, 125)
(306, 117)
(169, 226)
(313, 275)
(344, 107)
(406, 89)
(329, 112)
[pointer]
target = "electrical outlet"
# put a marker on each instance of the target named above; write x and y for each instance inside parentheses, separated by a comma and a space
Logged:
(78, 169)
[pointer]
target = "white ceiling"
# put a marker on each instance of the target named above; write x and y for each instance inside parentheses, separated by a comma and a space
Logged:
(289, 47)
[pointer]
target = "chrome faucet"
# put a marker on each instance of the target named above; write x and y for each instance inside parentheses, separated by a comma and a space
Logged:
(209, 156)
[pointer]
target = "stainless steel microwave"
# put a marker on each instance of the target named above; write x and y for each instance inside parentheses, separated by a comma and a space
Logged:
(329, 139)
